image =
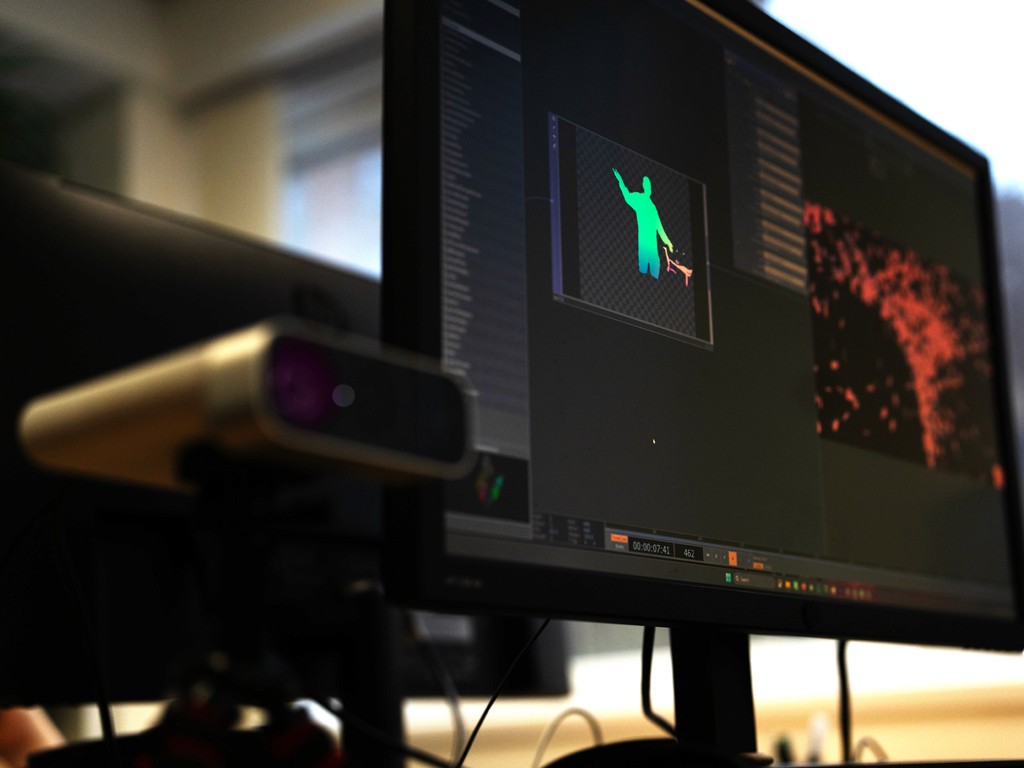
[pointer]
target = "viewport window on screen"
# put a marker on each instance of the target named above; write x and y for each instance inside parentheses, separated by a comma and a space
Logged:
(629, 236)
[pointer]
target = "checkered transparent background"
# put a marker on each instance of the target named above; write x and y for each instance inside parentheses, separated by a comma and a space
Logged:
(609, 277)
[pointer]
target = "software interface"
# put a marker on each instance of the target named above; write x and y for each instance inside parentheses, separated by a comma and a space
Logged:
(723, 323)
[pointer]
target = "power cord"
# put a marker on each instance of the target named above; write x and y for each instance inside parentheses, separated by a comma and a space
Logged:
(16, 542)
(869, 743)
(443, 678)
(89, 634)
(396, 745)
(549, 733)
(497, 692)
(845, 727)
(645, 683)
(852, 754)
(384, 739)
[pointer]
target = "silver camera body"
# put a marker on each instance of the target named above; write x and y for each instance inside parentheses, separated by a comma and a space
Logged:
(281, 392)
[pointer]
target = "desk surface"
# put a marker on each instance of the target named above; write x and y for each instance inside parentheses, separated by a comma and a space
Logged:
(917, 703)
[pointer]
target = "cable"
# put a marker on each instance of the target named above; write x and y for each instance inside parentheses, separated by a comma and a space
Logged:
(384, 739)
(89, 635)
(443, 678)
(845, 727)
(869, 743)
(18, 539)
(497, 692)
(645, 684)
(549, 733)
(51, 512)
(689, 753)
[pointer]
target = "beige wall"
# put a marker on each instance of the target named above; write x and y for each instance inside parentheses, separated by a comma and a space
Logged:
(191, 121)
(159, 160)
(239, 161)
(215, 44)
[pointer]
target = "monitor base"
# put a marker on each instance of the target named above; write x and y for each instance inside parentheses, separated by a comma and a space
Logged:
(656, 753)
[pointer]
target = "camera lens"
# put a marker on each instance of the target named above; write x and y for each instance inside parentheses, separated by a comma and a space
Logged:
(301, 383)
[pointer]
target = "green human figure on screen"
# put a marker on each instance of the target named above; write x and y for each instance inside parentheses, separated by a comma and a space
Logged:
(648, 226)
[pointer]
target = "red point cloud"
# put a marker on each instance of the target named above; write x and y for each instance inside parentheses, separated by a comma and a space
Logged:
(929, 326)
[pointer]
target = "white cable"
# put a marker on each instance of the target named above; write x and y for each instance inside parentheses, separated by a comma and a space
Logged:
(549, 732)
(424, 643)
(869, 743)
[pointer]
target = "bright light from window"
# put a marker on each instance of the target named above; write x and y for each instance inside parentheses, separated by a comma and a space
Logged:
(332, 210)
(957, 62)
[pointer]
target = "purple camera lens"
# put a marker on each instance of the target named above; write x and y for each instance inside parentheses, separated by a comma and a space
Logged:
(301, 383)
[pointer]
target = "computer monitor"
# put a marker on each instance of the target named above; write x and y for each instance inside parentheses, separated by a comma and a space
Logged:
(97, 576)
(102, 582)
(730, 316)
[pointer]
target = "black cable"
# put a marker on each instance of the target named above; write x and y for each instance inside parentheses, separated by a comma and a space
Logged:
(645, 684)
(7, 558)
(388, 741)
(844, 702)
(381, 737)
(89, 634)
(51, 512)
(497, 692)
(35, 518)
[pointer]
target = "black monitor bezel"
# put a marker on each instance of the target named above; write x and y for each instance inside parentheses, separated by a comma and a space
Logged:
(418, 571)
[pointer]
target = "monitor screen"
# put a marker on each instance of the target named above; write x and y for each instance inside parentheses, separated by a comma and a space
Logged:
(730, 320)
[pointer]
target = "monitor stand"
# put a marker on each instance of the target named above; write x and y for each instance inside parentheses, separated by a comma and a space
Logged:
(714, 709)
(714, 706)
